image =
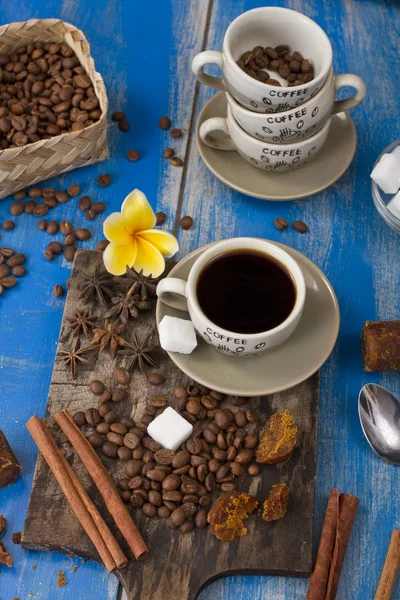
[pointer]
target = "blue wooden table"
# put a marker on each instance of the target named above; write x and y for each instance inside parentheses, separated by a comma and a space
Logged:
(144, 51)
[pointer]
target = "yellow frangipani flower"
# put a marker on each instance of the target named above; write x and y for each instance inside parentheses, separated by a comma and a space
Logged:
(134, 242)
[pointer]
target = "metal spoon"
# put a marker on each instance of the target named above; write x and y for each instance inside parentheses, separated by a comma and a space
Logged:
(379, 412)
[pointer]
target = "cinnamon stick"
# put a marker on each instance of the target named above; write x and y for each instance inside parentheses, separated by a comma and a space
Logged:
(104, 483)
(390, 568)
(320, 575)
(335, 535)
(348, 506)
(47, 447)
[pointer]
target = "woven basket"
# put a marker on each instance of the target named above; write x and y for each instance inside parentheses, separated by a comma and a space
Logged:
(21, 167)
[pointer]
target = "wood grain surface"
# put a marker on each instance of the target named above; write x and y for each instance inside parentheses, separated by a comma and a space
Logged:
(283, 548)
(143, 51)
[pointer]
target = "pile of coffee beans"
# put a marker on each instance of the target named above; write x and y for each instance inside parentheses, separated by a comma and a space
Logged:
(11, 267)
(120, 118)
(176, 486)
(291, 66)
(44, 91)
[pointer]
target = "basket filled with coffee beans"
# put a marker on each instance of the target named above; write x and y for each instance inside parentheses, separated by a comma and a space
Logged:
(53, 104)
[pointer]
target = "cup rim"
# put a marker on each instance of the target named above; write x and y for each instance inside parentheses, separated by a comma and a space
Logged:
(257, 115)
(287, 147)
(271, 249)
(265, 86)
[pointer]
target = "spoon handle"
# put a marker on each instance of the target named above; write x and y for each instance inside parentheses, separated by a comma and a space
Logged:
(390, 568)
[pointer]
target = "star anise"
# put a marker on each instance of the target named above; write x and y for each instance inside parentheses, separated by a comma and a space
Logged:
(139, 351)
(125, 305)
(109, 336)
(147, 285)
(97, 286)
(81, 323)
(76, 355)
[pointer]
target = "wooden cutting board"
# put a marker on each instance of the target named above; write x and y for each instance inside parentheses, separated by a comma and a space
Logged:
(177, 566)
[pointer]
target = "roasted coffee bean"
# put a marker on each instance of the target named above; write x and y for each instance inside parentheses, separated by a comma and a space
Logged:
(164, 123)
(222, 471)
(97, 387)
(155, 498)
(48, 254)
(240, 418)
(66, 227)
(146, 419)
(155, 379)
(120, 395)
(18, 271)
(137, 453)
(135, 483)
(79, 418)
(92, 416)
(223, 418)
(193, 446)
(111, 417)
(104, 180)
(186, 222)
(244, 456)
(131, 440)
(148, 456)
(138, 431)
(175, 133)
(8, 225)
(217, 396)
(133, 468)
(192, 473)
(85, 203)
(17, 208)
(182, 470)
(196, 460)
(133, 155)
(104, 408)
(123, 125)
(172, 496)
(119, 428)
(4, 271)
(208, 402)
(124, 453)
(227, 487)
(150, 444)
(171, 482)
(281, 223)
(73, 189)
(127, 421)
(192, 498)
(300, 226)
(8, 282)
(190, 509)
(117, 116)
(178, 516)
(236, 469)
(175, 161)
(156, 474)
(58, 291)
(164, 456)
(164, 512)
(30, 207)
(250, 441)
(125, 495)
(69, 253)
(55, 247)
(169, 153)
(186, 527)
(123, 483)
(205, 500)
(219, 454)
(122, 376)
(253, 470)
(109, 449)
(189, 486)
(103, 428)
(96, 440)
(136, 500)
(42, 225)
(237, 442)
(213, 465)
(160, 217)
(83, 234)
(149, 510)
(251, 416)
(102, 245)
(209, 436)
(202, 472)
(231, 453)
(40, 210)
(201, 519)
(193, 406)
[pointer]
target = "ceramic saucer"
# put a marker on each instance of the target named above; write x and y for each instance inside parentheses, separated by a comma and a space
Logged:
(280, 368)
(326, 168)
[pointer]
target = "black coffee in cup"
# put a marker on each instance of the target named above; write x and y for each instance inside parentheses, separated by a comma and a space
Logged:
(246, 291)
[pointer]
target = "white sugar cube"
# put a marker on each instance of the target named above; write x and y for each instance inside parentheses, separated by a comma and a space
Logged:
(170, 429)
(177, 335)
(394, 205)
(386, 173)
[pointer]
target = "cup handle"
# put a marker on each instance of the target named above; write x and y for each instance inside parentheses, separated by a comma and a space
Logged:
(172, 291)
(216, 124)
(204, 58)
(347, 79)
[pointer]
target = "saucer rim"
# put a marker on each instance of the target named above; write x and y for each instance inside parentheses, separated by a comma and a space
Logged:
(273, 198)
(235, 392)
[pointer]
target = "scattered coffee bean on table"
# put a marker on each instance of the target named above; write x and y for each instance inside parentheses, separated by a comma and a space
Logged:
(104, 180)
(52, 227)
(8, 225)
(169, 153)
(175, 133)
(160, 217)
(186, 222)
(19, 195)
(300, 226)
(118, 116)
(69, 253)
(133, 155)
(83, 234)
(74, 190)
(281, 223)
(292, 67)
(123, 125)
(17, 208)
(164, 123)
(85, 203)
(18, 271)
(176, 161)
(102, 245)
(58, 290)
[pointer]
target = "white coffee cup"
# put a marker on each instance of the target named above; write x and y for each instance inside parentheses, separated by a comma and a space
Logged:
(304, 121)
(263, 155)
(267, 26)
(182, 295)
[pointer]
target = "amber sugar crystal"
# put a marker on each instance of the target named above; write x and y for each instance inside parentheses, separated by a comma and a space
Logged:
(278, 439)
(228, 513)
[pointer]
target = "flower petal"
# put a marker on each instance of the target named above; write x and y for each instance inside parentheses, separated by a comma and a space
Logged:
(117, 256)
(148, 258)
(137, 212)
(115, 230)
(165, 242)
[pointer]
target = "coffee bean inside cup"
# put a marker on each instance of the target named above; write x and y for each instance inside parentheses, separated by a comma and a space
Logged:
(293, 67)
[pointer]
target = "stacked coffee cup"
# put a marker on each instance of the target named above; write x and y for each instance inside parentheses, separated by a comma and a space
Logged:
(275, 123)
